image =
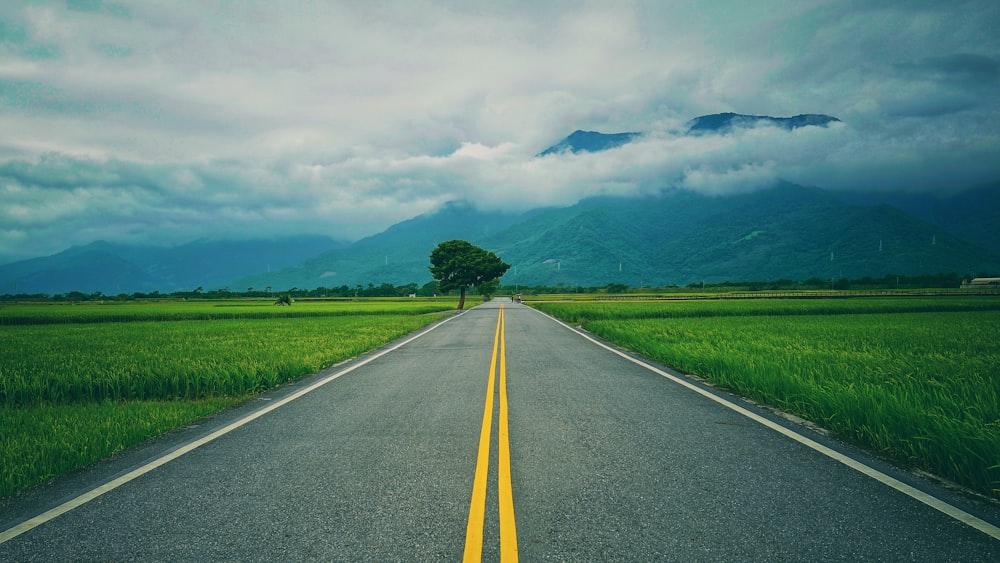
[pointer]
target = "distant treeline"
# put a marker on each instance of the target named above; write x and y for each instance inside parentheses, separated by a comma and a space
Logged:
(342, 292)
(926, 281)
(430, 289)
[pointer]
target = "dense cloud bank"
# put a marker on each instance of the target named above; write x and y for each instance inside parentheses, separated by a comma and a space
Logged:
(159, 122)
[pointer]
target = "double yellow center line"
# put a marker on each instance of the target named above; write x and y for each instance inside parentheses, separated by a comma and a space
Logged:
(477, 508)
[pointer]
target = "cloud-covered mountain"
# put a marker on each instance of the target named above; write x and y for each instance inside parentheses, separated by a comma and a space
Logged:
(663, 236)
(675, 237)
(593, 141)
(342, 119)
(683, 237)
(589, 141)
(724, 122)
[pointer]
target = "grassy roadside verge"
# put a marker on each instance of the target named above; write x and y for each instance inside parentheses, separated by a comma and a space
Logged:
(43, 442)
(917, 381)
(74, 392)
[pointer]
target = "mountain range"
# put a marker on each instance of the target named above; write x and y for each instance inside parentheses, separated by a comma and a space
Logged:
(592, 141)
(113, 268)
(724, 122)
(676, 237)
(589, 141)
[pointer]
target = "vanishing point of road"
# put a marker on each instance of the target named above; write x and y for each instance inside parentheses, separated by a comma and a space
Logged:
(498, 434)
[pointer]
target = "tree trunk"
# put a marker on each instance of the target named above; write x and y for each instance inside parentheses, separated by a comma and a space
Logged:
(461, 300)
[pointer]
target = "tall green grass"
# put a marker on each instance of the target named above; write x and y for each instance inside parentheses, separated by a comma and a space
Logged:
(582, 312)
(80, 363)
(72, 392)
(921, 388)
(39, 443)
(236, 309)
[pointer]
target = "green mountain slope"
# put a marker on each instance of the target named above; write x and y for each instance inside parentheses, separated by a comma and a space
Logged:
(803, 235)
(676, 237)
(399, 255)
(673, 238)
(680, 238)
(118, 268)
(89, 269)
(972, 214)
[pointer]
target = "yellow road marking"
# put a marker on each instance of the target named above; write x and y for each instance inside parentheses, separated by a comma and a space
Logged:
(477, 506)
(508, 529)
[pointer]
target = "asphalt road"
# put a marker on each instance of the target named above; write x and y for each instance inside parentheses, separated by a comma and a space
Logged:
(609, 461)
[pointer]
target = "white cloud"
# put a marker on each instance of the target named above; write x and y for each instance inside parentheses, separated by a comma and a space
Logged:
(167, 121)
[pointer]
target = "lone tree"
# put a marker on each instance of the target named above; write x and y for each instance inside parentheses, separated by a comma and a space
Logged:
(458, 264)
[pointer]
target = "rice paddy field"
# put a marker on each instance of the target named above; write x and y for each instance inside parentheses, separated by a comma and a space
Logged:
(81, 381)
(914, 379)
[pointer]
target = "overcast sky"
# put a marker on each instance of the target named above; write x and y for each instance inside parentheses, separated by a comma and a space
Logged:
(166, 121)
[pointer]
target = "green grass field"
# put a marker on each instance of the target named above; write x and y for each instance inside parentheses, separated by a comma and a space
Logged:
(208, 310)
(916, 380)
(79, 382)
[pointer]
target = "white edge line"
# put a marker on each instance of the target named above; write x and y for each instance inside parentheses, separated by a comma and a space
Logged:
(930, 500)
(90, 495)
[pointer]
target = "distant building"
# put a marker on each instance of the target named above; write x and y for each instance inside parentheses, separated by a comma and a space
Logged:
(981, 283)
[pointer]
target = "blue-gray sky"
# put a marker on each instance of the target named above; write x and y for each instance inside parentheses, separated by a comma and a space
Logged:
(164, 121)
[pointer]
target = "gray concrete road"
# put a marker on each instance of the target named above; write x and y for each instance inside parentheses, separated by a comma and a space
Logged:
(609, 462)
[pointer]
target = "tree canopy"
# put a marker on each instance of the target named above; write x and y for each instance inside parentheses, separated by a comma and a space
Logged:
(459, 264)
